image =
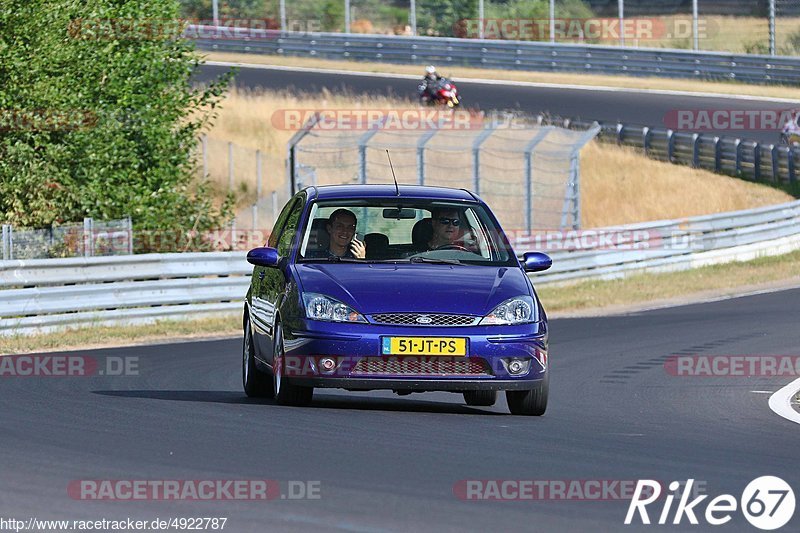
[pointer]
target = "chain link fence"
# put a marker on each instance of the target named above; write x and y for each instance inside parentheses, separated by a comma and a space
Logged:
(737, 26)
(529, 173)
(256, 178)
(89, 239)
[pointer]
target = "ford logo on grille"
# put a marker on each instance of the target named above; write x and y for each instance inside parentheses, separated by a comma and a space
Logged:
(424, 319)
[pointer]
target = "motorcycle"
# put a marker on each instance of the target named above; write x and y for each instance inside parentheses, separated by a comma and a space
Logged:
(445, 93)
(790, 135)
(790, 138)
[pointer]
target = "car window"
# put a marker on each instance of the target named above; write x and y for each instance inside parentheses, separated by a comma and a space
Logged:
(281, 222)
(289, 229)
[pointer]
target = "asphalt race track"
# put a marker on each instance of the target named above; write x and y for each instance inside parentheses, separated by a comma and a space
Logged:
(388, 463)
(628, 107)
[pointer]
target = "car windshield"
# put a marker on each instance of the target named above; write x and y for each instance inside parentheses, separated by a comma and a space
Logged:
(396, 230)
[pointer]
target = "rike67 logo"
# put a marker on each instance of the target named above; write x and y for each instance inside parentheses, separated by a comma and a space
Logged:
(767, 503)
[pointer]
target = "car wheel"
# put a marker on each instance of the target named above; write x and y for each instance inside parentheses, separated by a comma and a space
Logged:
(257, 384)
(285, 392)
(531, 402)
(480, 398)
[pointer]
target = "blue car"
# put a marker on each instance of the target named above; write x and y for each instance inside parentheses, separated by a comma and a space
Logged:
(409, 289)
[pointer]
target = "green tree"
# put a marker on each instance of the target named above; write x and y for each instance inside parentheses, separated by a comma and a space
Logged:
(98, 117)
(441, 17)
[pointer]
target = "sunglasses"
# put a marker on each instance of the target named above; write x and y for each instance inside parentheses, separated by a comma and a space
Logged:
(444, 221)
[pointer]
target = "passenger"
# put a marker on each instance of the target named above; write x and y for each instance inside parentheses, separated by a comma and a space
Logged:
(341, 227)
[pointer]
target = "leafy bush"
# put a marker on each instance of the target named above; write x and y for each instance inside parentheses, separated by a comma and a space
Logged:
(98, 118)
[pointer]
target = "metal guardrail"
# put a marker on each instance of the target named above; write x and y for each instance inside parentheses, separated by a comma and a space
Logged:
(678, 244)
(774, 163)
(504, 54)
(46, 294)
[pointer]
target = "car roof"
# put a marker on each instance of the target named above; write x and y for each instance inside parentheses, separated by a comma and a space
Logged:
(330, 192)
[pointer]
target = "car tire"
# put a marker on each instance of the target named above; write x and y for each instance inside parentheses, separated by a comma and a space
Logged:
(286, 393)
(480, 398)
(531, 402)
(256, 384)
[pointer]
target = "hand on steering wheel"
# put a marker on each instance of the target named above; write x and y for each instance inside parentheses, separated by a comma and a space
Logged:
(452, 247)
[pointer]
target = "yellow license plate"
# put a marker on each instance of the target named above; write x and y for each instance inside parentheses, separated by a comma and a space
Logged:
(451, 346)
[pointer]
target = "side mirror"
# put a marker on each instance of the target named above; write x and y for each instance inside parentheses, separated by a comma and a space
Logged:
(265, 257)
(536, 261)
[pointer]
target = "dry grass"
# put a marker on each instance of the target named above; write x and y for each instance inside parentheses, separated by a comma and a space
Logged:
(104, 336)
(724, 33)
(621, 186)
(618, 184)
(461, 73)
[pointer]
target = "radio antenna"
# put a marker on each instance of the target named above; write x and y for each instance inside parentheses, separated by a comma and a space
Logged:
(397, 188)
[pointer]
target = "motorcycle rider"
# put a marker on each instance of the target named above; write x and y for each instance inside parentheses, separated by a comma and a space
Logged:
(427, 89)
(791, 130)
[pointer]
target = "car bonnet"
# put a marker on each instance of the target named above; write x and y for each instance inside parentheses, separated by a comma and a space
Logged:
(372, 288)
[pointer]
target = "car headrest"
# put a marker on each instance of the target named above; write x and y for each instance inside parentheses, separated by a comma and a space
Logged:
(377, 245)
(319, 238)
(422, 233)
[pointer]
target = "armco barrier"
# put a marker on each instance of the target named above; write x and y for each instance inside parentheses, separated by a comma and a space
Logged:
(504, 54)
(46, 294)
(764, 162)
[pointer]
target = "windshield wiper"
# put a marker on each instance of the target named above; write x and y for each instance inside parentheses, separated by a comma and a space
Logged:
(434, 261)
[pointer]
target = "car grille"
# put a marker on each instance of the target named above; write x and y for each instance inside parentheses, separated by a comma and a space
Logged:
(413, 319)
(422, 366)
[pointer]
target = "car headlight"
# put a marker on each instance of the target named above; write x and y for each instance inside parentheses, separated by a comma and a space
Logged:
(518, 310)
(321, 307)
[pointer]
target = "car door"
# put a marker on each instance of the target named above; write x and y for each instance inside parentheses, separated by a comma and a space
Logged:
(261, 308)
(272, 283)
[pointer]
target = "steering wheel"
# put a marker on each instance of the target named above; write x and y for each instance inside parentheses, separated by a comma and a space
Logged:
(452, 247)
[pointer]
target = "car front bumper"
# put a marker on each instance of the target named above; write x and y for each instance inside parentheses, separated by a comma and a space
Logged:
(416, 385)
(354, 351)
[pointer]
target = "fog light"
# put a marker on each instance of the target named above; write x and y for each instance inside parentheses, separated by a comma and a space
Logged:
(517, 367)
(327, 364)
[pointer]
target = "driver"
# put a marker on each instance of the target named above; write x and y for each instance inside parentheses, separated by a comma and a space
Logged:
(446, 225)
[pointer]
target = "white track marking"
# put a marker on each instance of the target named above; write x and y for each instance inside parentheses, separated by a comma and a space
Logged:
(781, 402)
(594, 88)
